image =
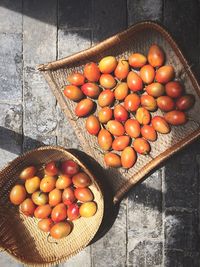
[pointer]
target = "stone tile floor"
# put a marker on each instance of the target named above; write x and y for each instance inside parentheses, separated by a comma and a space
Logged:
(158, 221)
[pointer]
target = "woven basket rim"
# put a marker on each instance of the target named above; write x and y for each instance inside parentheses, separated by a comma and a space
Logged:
(95, 182)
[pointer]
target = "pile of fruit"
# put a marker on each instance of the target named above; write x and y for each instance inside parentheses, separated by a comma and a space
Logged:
(128, 92)
(57, 194)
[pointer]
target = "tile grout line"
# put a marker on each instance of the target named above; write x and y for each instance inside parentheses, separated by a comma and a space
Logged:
(57, 45)
(23, 105)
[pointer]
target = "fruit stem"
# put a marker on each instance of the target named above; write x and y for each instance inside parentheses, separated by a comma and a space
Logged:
(51, 242)
(148, 154)
(74, 119)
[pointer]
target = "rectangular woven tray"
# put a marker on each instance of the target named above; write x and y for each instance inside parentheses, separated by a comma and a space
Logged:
(138, 38)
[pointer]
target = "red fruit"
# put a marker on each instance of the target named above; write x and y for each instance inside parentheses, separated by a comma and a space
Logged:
(160, 125)
(92, 72)
(165, 103)
(43, 211)
(73, 93)
(81, 179)
(105, 139)
(84, 107)
(106, 98)
(122, 69)
(121, 142)
(143, 116)
(59, 213)
(105, 114)
(112, 160)
(107, 81)
(76, 79)
(148, 102)
(92, 125)
(107, 64)
(51, 169)
(28, 207)
(175, 117)
(132, 102)
(91, 89)
(185, 102)
(17, 194)
(45, 225)
(73, 212)
(115, 128)
(128, 157)
(141, 146)
(63, 181)
(121, 91)
(165, 74)
(27, 173)
(156, 56)
(137, 60)
(55, 197)
(132, 128)
(147, 73)
(68, 196)
(149, 133)
(83, 194)
(69, 167)
(155, 89)
(134, 81)
(60, 230)
(120, 113)
(174, 89)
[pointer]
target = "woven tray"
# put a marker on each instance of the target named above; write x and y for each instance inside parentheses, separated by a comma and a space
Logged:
(138, 38)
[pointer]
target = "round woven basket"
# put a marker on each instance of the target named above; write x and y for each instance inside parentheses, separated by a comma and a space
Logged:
(20, 236)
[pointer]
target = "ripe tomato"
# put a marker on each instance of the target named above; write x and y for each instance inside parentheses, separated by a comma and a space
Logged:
(73, 212)
(112, 160)
(104, 139)
(83, 194)
(59, 213)
(137, 60)
(156, 56)
(143, 116)
(47, 184)
(76, 79)
(155, 89)
(160, 125)
(91, 89)
(132, 128)
(17, 194)
(81, 180)
(55, 197)
(105, 114)
(149, 133)
(128, 157)
(73, 93)
(63, 181)
(185, 102)
(165, 103)
(51, 169)
(106, 98)
(32, 184)
(39, 198)
(115, 127)
(107, 81)
(60, 230)
(68, 196)
(121, 91)
(165, 74)
(134, 81)
(45, 225)
(108, 64)
(92, 125)
(120, 113)
(120, 142)
(141, 146)
(27, 173)
(132, 102)
(88, 209)
(43, 211)
(92, 72)
(69, 167)
(84, 107)
(174, 89)
(122, 69)
(27, 207)
(175, 117)
(147, 73)
(148, 102)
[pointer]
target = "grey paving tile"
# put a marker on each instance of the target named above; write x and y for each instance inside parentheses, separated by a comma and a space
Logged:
(81, 260)
(11, 67)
